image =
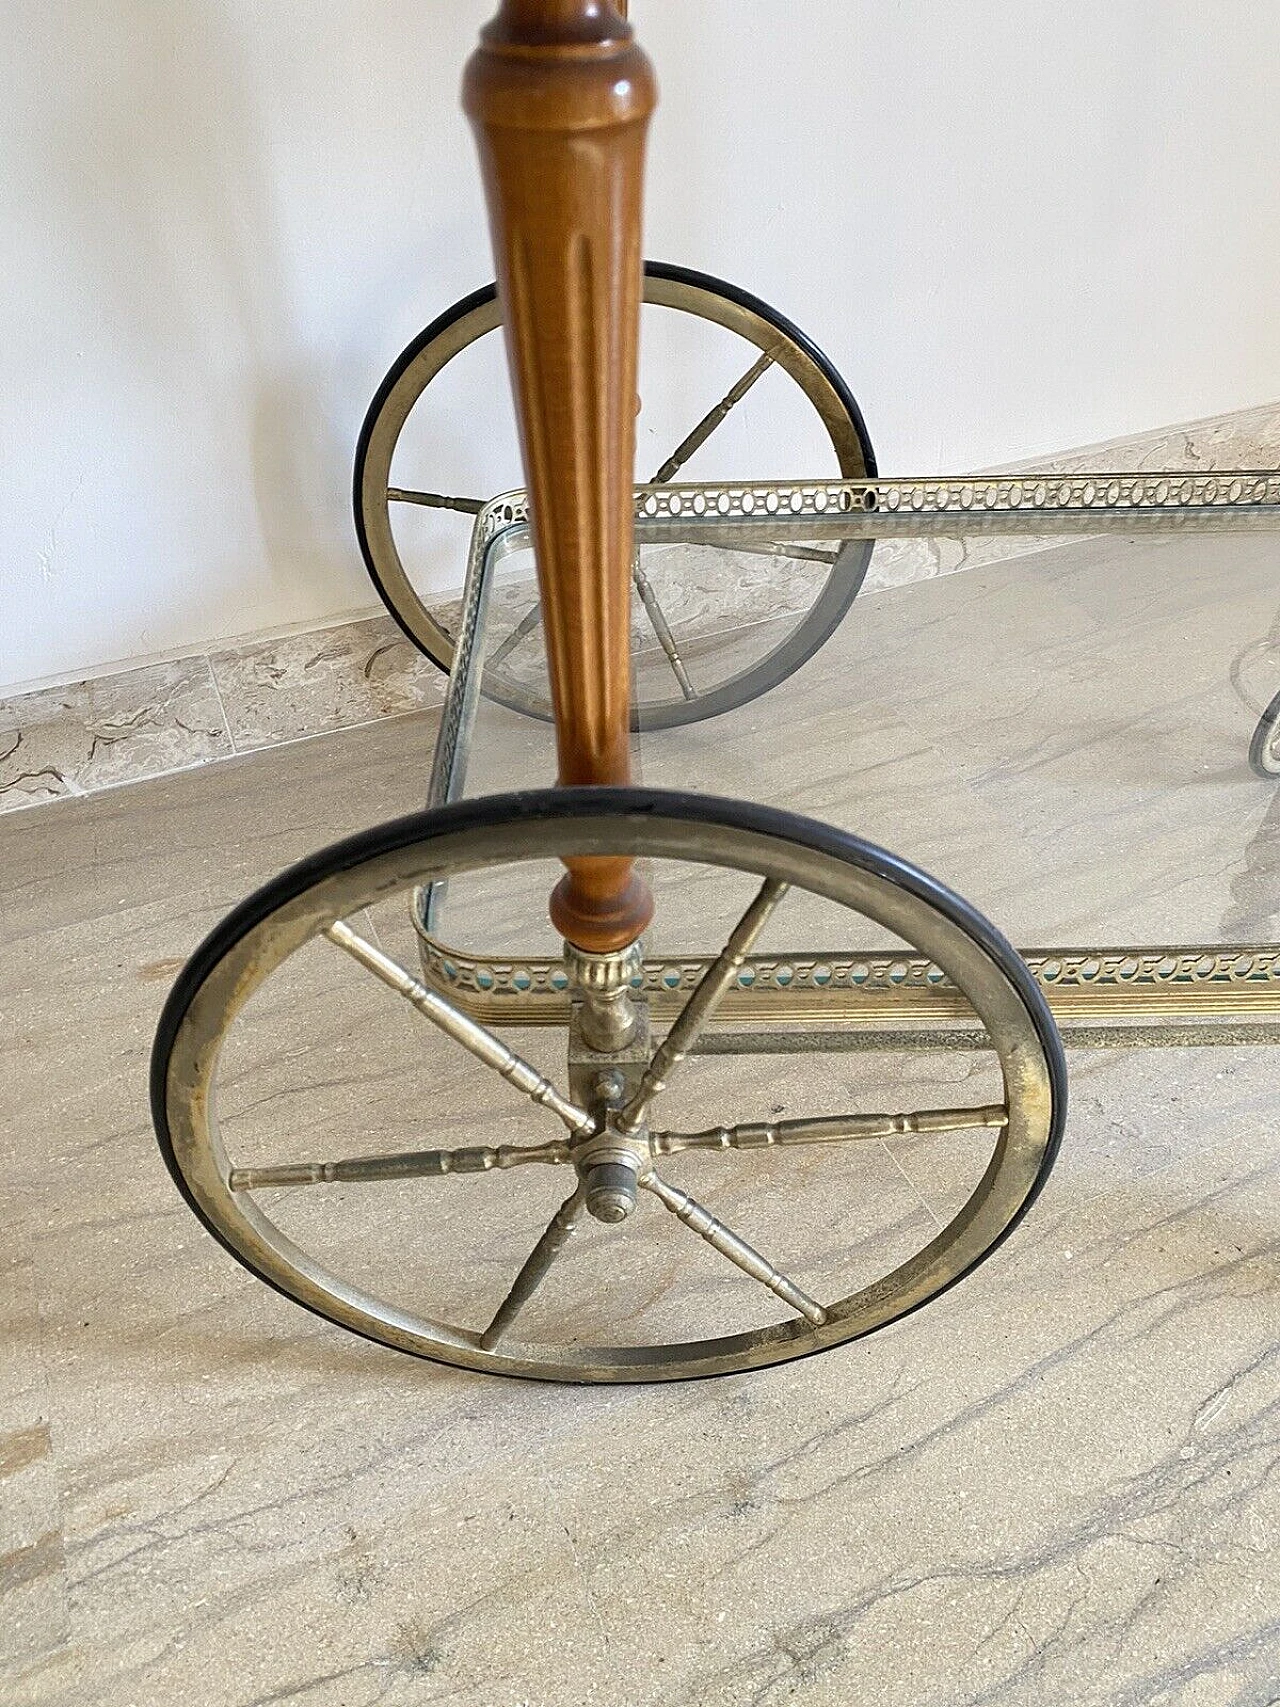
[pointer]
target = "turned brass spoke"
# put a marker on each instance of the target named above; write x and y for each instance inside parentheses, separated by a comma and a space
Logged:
(829, 1129)
(526, 625)
(435, 500)
(710, 421)
(755, 548)
(661, 627)
(653, 610)
(407, 1164)
(476, 1038)
(536, 1264)
(730, 1244)
(715, 983)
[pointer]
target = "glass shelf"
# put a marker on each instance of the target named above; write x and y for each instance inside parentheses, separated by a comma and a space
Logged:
(1044, 693)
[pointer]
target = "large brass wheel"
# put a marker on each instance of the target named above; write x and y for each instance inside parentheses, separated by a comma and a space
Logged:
(728, 385)
(362, 1226)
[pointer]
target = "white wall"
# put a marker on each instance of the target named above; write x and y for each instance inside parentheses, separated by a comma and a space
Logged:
(1016, 225)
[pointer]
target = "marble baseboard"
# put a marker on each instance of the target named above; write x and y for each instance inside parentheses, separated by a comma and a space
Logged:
(147, 722)
(308, 684)
(93, 734)
(124, 727)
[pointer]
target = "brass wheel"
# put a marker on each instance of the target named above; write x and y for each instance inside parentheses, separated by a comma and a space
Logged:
(726, 383)
(356, 1233)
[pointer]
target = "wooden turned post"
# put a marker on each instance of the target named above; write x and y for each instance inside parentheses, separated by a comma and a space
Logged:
(559, 97)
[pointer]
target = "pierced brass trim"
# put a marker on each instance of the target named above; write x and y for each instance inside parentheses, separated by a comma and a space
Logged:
(1082, 503)
(1166, 984)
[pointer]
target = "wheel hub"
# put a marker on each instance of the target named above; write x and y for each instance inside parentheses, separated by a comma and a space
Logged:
(610, 1163)
(611, 1189)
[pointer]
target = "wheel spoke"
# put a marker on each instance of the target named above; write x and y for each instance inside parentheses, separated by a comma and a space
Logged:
(478, 1039)
(697, 1011)
(409, 1164)
(661, 627)
(434, 500)
(731, 1245)
(526, 625)
(710, 421)
(756, 548)
(829, 1129)
(536, 1264)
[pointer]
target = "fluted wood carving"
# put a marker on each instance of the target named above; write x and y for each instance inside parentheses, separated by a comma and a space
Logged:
(559, 97)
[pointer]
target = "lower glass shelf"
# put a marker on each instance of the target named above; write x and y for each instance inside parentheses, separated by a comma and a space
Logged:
(1045, 692)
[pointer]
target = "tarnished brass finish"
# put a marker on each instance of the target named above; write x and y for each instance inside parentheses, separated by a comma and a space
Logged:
(730, 1244)
(710, 990)
(870, 1040)
(537, 1266)
(779, 517)
(774, 512)
(610, 1145)
(460, 1027)
(479, 1159)
(409, 1164)
(828, 1129)
(1154, 993)
(602, 983)
(559, 97)
(1170, 984)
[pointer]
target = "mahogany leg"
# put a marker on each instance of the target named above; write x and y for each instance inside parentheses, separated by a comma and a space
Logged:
(559, 97)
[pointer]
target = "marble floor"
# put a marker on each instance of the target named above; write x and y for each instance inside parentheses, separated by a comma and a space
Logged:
(1056, 1485)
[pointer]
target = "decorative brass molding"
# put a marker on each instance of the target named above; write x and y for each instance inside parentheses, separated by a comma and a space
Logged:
(878, 989)
(1029, 503)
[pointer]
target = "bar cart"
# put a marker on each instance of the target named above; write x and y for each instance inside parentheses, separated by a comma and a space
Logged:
(683, 930)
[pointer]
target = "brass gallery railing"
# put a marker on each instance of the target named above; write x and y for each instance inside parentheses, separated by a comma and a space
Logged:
(1144, 994)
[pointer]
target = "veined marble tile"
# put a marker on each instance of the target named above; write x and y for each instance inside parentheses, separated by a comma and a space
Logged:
(114, 729)
(1247, 438)
(33, 1611)
(1044, 1520)
(278, 690)
(1053, 1487)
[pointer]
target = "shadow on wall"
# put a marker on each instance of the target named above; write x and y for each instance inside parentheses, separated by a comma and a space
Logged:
(155, 128)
